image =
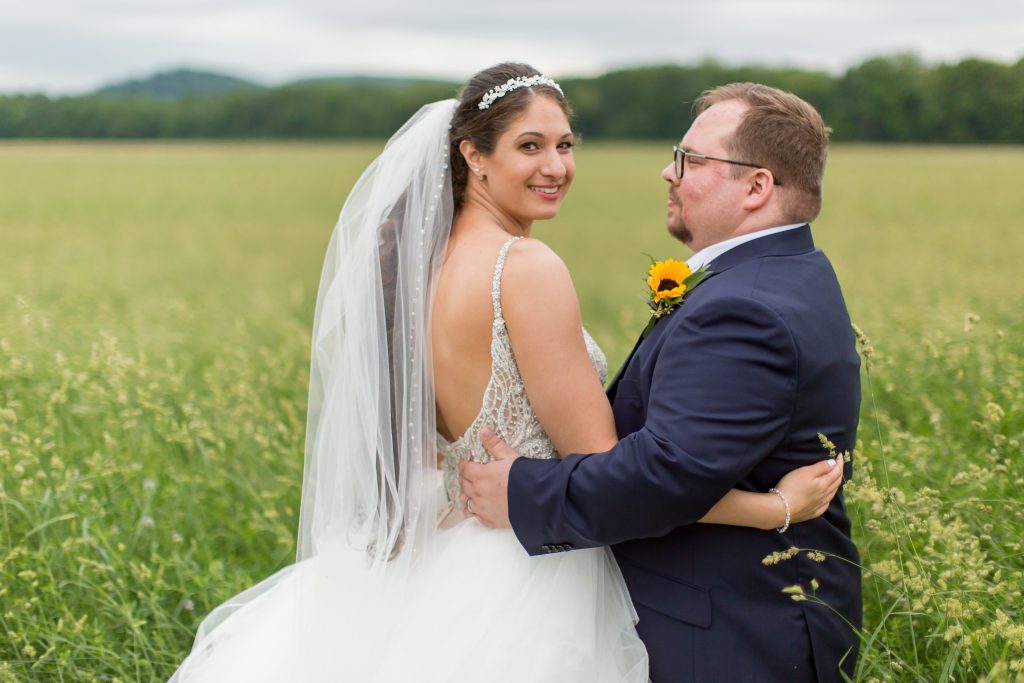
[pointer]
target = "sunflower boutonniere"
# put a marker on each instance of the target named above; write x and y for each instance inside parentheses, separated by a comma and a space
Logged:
(669, 282)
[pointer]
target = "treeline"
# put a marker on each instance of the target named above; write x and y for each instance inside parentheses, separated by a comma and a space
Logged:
(886, 99)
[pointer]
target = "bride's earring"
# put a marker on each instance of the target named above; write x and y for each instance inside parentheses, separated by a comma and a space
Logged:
(479, 174)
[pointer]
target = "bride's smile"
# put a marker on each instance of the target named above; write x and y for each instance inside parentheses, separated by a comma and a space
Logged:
(531, 169)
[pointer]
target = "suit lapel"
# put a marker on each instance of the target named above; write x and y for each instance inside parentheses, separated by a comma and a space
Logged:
(789, 242)
(610, 391)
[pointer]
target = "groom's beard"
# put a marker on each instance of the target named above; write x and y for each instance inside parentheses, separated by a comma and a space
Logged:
(677, 228)
(675, 222)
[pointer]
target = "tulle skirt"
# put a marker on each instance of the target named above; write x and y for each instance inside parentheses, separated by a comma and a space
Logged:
(477, 607)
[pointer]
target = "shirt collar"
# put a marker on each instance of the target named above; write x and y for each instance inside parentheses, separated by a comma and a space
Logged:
(710, 253)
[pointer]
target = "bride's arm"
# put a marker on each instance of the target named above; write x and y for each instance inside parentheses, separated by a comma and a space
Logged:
(542, 314)
(808, 490)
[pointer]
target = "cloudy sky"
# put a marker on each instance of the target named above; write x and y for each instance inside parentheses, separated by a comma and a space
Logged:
(72, 46)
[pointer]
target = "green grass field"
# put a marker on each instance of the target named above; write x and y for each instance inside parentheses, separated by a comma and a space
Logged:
(155, 306)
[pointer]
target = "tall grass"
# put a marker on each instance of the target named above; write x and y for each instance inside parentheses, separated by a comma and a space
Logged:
(155, 305)
(937, 511)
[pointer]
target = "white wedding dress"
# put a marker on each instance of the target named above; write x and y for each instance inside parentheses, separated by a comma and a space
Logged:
(478, 609)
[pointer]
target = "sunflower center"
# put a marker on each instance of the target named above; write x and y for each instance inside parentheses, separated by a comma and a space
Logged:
(667, 284)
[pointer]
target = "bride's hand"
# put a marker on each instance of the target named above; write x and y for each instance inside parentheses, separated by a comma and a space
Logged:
(810, 489)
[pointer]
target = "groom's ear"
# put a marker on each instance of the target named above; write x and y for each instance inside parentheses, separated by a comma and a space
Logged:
(760, 190)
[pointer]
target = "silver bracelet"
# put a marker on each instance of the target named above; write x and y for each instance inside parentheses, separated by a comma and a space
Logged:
(785, 527)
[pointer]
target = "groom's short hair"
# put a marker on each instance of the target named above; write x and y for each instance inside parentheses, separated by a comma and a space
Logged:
(783, 133)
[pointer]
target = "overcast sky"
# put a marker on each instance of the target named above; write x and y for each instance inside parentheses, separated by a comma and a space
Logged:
(72, 46)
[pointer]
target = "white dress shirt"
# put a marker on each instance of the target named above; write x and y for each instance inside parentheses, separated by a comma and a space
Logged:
(710, 253)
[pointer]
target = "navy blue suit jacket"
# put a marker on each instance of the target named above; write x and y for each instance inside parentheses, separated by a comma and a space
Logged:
(730, 390)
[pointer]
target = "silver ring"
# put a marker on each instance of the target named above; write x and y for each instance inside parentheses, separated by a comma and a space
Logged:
(469, 508)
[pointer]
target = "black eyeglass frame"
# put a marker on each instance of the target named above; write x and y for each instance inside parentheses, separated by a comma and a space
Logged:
(679, 156)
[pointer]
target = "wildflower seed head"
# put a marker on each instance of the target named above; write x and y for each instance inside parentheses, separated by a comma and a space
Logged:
(780, 556)
(994, 412)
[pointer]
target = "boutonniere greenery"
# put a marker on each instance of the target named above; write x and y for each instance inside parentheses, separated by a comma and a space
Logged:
(669, 282)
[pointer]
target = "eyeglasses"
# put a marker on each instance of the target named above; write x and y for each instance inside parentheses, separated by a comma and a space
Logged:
(679, 157)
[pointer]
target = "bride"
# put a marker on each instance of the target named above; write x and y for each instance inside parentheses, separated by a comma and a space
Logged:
(430, 324)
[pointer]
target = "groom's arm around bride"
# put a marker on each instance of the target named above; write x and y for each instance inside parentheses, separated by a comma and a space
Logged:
(731, 390)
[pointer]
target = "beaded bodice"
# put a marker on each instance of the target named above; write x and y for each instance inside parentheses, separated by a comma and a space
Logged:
(505, 407)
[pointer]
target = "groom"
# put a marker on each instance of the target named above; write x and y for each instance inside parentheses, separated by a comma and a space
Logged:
(730, 390)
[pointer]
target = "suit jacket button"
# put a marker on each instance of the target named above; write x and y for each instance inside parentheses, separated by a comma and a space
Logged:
(546, 548)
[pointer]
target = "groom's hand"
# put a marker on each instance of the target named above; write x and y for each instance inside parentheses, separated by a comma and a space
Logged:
(486, 485)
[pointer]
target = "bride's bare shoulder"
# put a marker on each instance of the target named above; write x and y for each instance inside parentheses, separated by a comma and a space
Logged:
(530, 259)
(535, 276)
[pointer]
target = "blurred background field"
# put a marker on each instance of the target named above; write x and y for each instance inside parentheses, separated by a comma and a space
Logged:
(137, 237)
(155, 306)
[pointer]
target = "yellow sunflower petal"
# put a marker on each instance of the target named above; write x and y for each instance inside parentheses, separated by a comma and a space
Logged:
(669, 293)
(667, 275)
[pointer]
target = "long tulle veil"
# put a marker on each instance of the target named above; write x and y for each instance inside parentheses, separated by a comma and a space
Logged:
(370, 464)
(370, 439)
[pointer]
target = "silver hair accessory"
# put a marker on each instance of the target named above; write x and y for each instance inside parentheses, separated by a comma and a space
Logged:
(497, 92)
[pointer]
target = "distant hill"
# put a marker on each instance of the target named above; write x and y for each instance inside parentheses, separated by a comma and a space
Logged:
(186, 83)
(179, 84)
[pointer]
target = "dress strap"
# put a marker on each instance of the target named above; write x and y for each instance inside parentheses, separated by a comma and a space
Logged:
(496, 281)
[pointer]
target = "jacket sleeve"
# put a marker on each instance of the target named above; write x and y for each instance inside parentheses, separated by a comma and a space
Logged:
(722, 391)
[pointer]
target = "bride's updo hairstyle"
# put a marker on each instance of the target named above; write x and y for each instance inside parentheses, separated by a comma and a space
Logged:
(483, 127)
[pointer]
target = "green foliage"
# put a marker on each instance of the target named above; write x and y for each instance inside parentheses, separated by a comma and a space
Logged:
(154, 360)
(312, 110)
(888, 100)
(884, 99)
(656, 102)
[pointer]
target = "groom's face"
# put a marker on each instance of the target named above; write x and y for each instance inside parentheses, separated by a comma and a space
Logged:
(703, 206)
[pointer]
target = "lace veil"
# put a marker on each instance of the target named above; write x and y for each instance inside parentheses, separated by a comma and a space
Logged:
(370, 461)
